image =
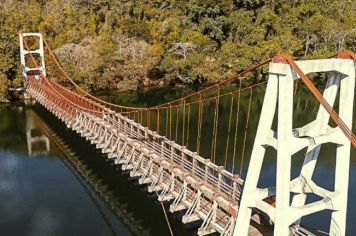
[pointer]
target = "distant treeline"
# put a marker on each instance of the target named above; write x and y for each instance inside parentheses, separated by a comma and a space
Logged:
(108, 44)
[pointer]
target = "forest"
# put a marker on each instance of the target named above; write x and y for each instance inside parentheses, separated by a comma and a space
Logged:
(122, 44)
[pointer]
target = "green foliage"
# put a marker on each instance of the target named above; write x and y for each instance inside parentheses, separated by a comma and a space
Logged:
(125, 43)
(4, 84)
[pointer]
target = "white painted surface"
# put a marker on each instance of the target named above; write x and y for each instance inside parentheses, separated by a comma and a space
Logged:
(287, 142)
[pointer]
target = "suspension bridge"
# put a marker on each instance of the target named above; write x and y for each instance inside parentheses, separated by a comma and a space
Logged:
(161, 145)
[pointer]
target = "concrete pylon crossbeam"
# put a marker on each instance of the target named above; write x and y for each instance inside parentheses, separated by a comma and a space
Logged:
(287, 141)
(39, 51)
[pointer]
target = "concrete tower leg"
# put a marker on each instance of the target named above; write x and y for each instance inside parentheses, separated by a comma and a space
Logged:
(288, 141)
(284, 151)
(346, 102)
(250, 195)
(322, 120)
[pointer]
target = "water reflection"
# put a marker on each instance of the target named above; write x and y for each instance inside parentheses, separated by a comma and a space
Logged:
(102, 200)
(38, 195)
(89, 180)
(37, 144)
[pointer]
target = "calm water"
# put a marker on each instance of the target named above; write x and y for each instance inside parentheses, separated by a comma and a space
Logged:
(60, 185)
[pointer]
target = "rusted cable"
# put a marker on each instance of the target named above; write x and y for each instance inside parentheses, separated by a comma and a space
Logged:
(170, 122)
(334, 116)
(210, 98)
(183, 135)
(166, 217)
(167, 114)
(201, 110)
(236, 126)
(78, 88)
(177, 122)
(52, 87)
(229, 129)
(215, 127)
(158, 121)
(188, 122)
(246, 128)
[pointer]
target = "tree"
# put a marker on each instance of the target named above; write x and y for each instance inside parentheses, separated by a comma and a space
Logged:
(4, 85)
(182, 49)
(106, 44)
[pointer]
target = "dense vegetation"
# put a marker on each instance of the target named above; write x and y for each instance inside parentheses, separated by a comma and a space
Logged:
(121, 44)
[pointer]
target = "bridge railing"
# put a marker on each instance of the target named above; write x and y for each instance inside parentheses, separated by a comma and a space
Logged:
(212, 174)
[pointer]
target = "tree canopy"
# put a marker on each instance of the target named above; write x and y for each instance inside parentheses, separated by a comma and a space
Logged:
(118, 43)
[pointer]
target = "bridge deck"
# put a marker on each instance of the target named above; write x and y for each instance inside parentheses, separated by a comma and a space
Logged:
(204, 191)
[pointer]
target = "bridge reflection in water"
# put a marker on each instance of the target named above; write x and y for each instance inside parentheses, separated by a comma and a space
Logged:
(35, 141)
(100, 179)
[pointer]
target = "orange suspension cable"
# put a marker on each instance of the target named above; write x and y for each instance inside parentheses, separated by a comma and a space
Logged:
(188, 131)
(167, 122)
(334, 116)
(78, 88)
(158, 121)
(140, 116)
(215, 127)
(51, 86)
(210, 98)
(238, 76)
(213, 135)
(170, 122)
(183, 123)
(246, 128)
(177, 121)
(201, 110)
(236, 126)
(229, 129)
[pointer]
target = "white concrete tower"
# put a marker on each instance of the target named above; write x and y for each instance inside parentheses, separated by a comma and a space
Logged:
(287, 140)
(39, 51)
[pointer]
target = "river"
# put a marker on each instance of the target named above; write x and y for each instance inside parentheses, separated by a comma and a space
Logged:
(52, 182)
